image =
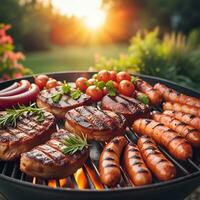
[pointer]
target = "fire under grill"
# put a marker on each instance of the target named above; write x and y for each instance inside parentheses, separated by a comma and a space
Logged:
(86, 184)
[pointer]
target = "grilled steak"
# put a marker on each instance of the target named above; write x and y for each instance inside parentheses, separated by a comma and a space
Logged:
(99, 125)
(66, 103)
(48, 160)
(131, 108)
(27, 134)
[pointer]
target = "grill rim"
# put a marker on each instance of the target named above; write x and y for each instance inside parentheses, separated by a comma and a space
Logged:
(75, 74)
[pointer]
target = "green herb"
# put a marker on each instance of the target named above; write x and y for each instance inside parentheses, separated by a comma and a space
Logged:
(100, 84)
(76, 94)
(112, 91)
(134, 79)
(66, 88)
(12, 115)
(74, 143)
(56, 97)
(143, 98)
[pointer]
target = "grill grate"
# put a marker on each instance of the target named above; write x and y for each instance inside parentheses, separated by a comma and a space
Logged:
(89, 172)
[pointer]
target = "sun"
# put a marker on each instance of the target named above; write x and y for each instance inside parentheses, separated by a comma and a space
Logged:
(89, 11)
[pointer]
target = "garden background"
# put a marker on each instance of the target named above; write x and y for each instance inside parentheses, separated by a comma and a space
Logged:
(157, 37)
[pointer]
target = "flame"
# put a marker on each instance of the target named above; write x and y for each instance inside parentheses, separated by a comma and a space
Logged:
(52, 183)
(94, 178)
(81, 179)
(34, 180)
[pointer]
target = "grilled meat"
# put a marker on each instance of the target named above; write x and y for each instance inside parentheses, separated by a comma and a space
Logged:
(66, 102)
(131, 108)
(99, 125)
(27, 134)
(48, 160)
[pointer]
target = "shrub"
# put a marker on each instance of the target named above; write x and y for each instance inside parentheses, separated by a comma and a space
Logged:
(9, 60)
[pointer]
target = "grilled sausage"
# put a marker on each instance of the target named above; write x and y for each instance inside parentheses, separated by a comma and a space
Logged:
(12, 87)
(154, 95)
(109, 162)
(161, 167)
(191, 120)
(175, 144)
(174, 96)
(191, 134)
(182, 108)
(135, 166)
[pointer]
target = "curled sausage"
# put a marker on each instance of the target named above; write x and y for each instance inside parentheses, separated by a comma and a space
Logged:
(174, 96)
(135, 166)
(109, 163)
(23, 87)
(161, 167)
(182, 108)
(191, 134)
(191, 120)
(154, 95)
(24, 98)
(175, 144)
(12, 87)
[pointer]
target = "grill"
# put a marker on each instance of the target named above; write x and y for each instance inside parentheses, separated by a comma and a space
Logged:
(85, 183)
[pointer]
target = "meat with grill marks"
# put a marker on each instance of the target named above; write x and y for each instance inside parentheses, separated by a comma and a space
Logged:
(99, 125)
(131, 108)
(48, 160)
(60, 108)
(109, 162)
(135, 166)
(172, 141)
(27, 134)
(161, 167)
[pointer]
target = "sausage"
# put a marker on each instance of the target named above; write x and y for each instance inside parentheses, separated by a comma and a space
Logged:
(174, 96)
(175, 144)
(24, 98)
(12, 87)
(135, 166)
(23, 87)
(160, 166)
(191, 134)
(191, 120)
(154, 95)
(109, 162)
(182, 108)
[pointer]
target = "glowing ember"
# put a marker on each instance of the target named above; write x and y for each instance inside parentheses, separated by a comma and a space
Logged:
(81, 179)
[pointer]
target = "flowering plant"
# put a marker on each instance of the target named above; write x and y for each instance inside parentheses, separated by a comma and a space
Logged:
(9, 60)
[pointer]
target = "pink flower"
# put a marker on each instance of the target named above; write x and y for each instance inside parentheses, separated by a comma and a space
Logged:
(19, 66)
(6, 39)
(17, 75)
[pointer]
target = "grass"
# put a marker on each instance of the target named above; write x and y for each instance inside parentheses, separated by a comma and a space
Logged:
(70, 57)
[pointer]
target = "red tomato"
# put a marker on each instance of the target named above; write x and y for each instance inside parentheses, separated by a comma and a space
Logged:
(41, 81)
(91, 81)
(116, 85)
(81, 83)
(51, 83)
(95, 93)
(104, 76)
(123, 76)
(105, 91)
(126, 88)
(113, 75)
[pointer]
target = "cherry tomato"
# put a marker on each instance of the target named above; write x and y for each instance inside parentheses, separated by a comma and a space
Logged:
(91, 81)
(113, 75)
(105, 91)
(41, 81)
(95, 93)
(103, 75)
(51, 83)
(116, 85)
(123, 76)
(126, 88)
(81, 83)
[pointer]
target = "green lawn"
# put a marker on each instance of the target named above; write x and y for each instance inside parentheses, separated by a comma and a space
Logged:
(70, 58)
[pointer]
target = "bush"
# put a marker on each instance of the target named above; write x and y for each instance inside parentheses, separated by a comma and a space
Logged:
(9, 60)
(171, 58)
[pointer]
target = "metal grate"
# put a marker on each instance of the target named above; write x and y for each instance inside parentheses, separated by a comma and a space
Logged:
(88, 176)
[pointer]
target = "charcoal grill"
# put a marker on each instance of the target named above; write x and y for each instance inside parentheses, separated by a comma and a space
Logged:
(85, 184)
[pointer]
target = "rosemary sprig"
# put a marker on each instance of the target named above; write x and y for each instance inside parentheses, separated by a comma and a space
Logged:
(12, 115)
(74, 143)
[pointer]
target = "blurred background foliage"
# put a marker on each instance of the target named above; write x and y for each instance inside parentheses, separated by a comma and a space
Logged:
(53, 41)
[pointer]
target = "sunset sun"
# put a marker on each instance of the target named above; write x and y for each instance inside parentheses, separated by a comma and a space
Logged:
(89, 11)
